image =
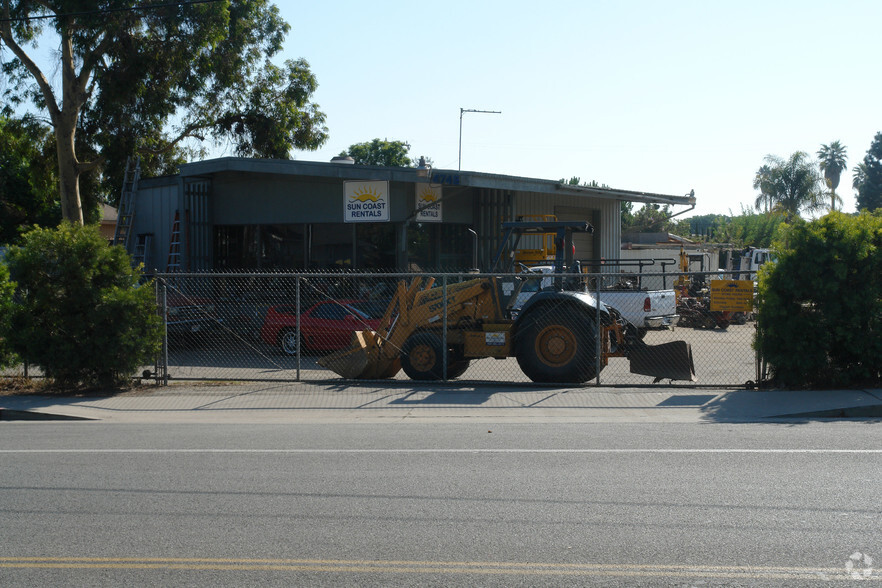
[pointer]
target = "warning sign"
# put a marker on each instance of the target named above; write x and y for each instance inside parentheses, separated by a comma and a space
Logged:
(731, 295)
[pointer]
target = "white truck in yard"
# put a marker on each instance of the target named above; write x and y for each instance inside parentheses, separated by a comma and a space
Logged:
(643, 309)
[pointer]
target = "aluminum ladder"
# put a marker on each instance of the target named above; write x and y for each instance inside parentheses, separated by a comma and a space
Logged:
(126, 212)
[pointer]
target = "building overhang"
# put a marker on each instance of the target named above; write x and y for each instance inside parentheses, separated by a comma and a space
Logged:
(453, 178)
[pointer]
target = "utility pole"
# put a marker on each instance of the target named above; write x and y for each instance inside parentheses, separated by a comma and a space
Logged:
(461, 112)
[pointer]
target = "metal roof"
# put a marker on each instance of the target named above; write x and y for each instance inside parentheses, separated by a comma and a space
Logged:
(348, 171)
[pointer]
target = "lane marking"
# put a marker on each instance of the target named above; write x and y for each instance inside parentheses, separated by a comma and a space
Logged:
(433, 567)
(442, 451)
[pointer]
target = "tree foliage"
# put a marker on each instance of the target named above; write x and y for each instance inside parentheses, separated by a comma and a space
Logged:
(762, 181)
(380, 152)
(82, 316)
(28, 195)
(7, 289)
(650, 218)
(820, 305)
(792, 185)
(868, 177)
(142, 78)
(832, 161)
(748, 229)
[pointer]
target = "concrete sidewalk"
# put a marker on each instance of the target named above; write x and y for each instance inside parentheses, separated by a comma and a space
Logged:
(342, 402)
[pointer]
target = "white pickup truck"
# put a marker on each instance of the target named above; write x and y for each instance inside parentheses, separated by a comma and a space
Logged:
(643, 309)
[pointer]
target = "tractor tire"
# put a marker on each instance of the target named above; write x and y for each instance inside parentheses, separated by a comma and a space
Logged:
(421, 357)
(557, 345)
(457, 368)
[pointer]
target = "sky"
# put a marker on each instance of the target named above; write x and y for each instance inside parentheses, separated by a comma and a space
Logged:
(651, 96)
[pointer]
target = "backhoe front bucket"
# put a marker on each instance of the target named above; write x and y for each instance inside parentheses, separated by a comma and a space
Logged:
(363, 360)
(668, 361)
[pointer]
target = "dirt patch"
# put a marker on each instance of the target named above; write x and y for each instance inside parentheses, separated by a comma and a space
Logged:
(18, 386)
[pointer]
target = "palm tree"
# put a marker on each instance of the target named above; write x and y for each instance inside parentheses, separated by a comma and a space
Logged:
(793, 185)
(832, 162)
(762, 182)
(860, 174)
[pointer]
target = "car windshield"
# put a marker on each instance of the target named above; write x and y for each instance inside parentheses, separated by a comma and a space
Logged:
(531, 285)
(354, 310)
(371, 308)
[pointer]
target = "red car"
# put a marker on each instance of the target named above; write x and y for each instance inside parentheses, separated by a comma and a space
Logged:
(325, 326)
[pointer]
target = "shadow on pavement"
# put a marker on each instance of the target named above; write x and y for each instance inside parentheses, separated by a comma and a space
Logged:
(793, 406)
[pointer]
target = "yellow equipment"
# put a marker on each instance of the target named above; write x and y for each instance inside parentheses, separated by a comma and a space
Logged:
(554, 337)
(546, 249)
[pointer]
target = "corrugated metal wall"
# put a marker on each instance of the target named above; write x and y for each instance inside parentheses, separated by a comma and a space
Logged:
(492, 208)
(155, 207)
(198, 227)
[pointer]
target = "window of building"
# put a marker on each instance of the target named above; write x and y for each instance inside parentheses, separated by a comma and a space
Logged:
(446, 247)
(375, 246)
(236, 247)
(282, 246)
(259, 247)
(330, 246)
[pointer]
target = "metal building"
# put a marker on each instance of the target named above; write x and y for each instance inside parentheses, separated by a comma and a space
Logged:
(255, 215)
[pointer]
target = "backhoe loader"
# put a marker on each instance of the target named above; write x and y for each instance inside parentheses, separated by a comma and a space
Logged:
(554, 337)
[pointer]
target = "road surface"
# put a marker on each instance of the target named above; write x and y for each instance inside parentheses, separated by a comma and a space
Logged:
(458, 503)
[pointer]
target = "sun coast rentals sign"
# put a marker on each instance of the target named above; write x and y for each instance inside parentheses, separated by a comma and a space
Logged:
(428, 203)
(366, 202)
(731, 296)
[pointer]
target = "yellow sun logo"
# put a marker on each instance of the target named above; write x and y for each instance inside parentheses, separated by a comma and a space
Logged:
(428, 196)
(366, 193)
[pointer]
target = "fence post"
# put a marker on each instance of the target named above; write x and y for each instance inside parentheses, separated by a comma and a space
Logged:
(164, 290)
(598, 344)
(444, 329)
(297, 325)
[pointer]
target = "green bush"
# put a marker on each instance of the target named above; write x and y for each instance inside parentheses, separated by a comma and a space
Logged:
(820, 305)
(7, 289)
(81, 317)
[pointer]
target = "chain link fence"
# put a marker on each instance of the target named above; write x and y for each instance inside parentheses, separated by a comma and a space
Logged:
(295, 326)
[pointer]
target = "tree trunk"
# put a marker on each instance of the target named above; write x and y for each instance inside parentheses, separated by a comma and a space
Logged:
(68, 173)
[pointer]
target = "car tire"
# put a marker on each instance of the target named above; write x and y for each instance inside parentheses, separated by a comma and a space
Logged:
(288, 342)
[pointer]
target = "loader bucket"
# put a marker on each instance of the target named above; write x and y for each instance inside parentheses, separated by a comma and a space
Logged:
(363, 360)
(668, 361)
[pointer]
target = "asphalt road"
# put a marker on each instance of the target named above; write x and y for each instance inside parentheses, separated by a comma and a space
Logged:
(398, 504)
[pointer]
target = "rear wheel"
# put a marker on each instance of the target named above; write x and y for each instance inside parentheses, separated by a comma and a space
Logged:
(557, 345)
(457, 368)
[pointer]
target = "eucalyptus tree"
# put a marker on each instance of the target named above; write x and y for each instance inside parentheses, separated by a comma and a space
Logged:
(832, 161)
(144, 77)
(28, 195)
(380, 152)
(793, 185)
